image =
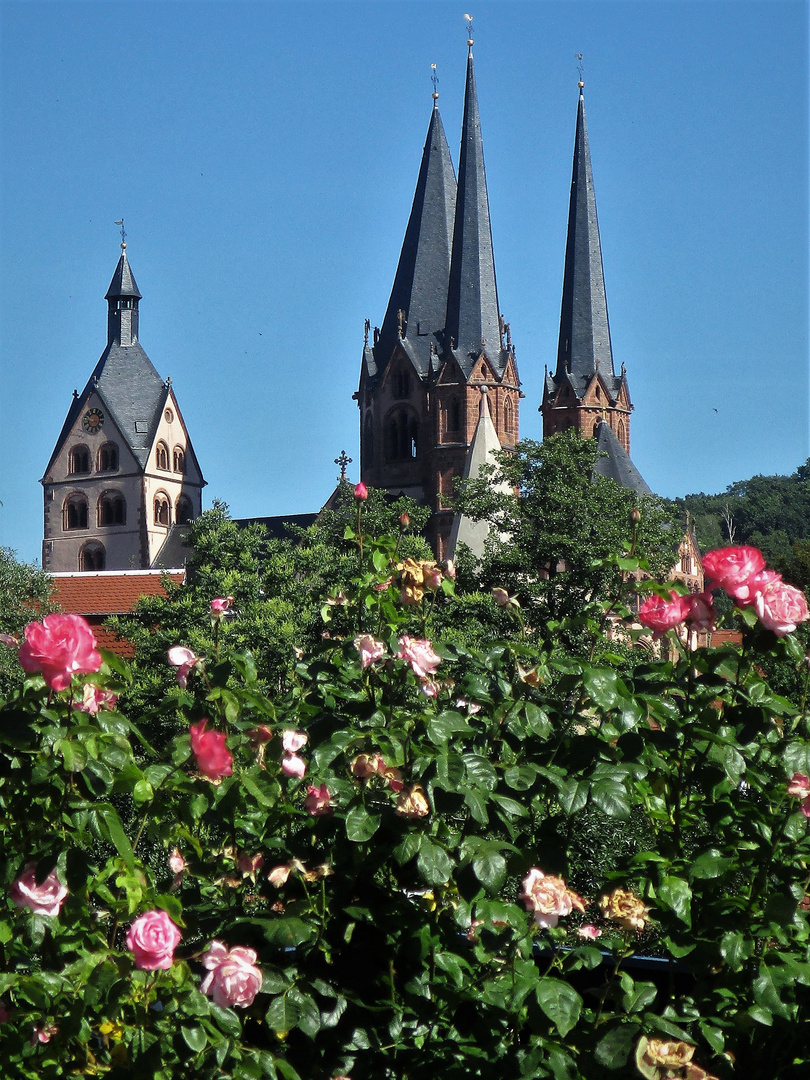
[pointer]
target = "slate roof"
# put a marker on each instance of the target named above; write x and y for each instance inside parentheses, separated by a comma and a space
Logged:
(123, 283)
(108, 592)
(617, 465)
(277, 526)
(174, 552)
(473, 314)
(420, 283)
(584, 344)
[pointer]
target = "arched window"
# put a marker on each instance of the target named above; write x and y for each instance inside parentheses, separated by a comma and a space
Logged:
(686, 562)
(368, 440)
(92, 556)
(179, 459)
(112, 509)
(402, 384)
(74, 515)
(620, 431)
(162, 456)
(401, 433)
(162, 509)
(79, 461)
(107, 457)
(183, 512)
(508, 417)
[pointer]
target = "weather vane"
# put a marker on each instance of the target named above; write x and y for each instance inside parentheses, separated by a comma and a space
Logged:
(578, 58)
(343, 461)
(123, 233)
(470, 41)
(434, 78)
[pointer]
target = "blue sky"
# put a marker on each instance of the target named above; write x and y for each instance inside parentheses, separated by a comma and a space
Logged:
(264, 155)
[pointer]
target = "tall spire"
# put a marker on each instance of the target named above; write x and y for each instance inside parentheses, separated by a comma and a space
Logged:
(584, 345)
(472, 304)
(122, 303)
(418, 304)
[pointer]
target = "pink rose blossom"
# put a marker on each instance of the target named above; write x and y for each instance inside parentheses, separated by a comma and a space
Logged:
(780, 607)
(152, 939)
(367, 765)
(430, 688)
(293, 765)
(293, 741)
(661, 615)
(59, 647)
(278, 875)
(360, 492)
(701, 612)
(249, 864)
(393, 777)
(589, 931)
(471, 707)
(318, 802)
(450, 569)
(214, 759)
(433, 578)
(177, 863)
(799, 788)
(412, 803)
(548, 897)
(369, 649)
(44, 1033)
(732, 569)
(233, 979)
(419, 654)
(94, 699)
(220, 606)
(184, 660)
(46, 898)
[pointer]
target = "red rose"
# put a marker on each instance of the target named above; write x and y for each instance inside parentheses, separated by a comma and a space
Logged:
(733, 569)
(660, 615)
(780, 607)
(59, 646)
(214, 759)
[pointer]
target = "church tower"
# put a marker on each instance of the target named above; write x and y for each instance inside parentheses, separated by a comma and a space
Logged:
(443, 338)
(584, 392)
(123, 471)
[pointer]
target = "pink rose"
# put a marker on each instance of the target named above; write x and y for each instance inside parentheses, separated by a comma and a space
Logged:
(94, 699)
(44, 1033)
(701, 612)
(233, 979)
(177, 863)
(184, 660)
(152, 939)
(661, 615)
(279, 874)
(59, 646)
(589, 931)
(367, 765)
(419, 654)
(293, 765)
(360, 492)
(799, 788)
(249, 864)
(430, 688)
(369, 649)
(732, 569)
(393, 777)
(412, 804)
(780, 607)
(450, 569)
(220, 606)
(318, 802)
(293, 741)
(548, 897)
(43, 899)
(214, 759)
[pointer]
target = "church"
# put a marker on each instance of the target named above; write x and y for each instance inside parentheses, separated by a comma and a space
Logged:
(439, 389)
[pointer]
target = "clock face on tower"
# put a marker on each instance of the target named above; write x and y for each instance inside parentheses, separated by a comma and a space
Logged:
(93, 421)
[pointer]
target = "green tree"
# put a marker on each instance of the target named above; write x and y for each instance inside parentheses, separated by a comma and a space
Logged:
(24, 596)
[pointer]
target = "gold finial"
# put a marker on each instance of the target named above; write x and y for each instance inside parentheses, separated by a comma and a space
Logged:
(434, 78)
(123, 234)
(470, 41)
(578, 58)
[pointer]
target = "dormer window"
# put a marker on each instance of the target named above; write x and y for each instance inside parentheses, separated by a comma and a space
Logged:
(79, 461)
(162, 456)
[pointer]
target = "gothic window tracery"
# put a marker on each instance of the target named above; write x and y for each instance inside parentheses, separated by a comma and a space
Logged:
(401, 436)
(108, 458)
(79, 461)
(162, 456)
(401, 384)
(75, 512)
(162, 512)
(112, 509)
(92, 556)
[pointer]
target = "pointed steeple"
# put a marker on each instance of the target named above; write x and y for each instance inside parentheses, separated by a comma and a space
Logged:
(122, 304)
(584, 345)
(418, 304)
(473, 316)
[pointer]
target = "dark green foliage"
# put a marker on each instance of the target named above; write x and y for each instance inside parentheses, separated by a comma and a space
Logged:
(24, 596)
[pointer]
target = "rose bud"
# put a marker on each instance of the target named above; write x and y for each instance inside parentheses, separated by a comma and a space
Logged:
(360, 492)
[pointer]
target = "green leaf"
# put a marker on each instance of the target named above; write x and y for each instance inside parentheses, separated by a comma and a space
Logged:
(573, 795)
(538, 720)
(442, 727)
(560, 1002)
(600, 684)
(408, 847)
(284, 932)
(611, 797)
(194, 1038)
(360, 825)
(613, 1049)
(113, 830)
(675, 893)
(477, 803)
(490, 869)
(734, 949)
(434, 864)
(284, 1013)
(255, 789)
(711, 864)
(480, 770)
(510, 806)
(713, 1036)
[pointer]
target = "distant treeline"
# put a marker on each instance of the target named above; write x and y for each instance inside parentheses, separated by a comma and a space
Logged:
(768, 512)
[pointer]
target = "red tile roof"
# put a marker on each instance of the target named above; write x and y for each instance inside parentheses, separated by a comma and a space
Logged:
(108, 592)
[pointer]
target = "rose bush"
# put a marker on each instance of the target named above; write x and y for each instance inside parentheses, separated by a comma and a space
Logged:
(387, 915)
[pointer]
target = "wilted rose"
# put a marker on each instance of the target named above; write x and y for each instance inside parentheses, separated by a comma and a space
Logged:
(177, 863)
(152, 939)
(60, 646)
(45, 898)
(94, 699)
(293, 765)
(419, 654)
(214, 759)
(318, 802)
(671, 1052)
(233, 979)
(548, 897)
(184, 660)
(412, 803)
(589, 931)
(430, 688)
(780, 607)
(367, 765)
(626, 908)
(369, 649)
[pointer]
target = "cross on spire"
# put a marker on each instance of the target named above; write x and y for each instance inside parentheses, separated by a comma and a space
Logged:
(343, 461)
